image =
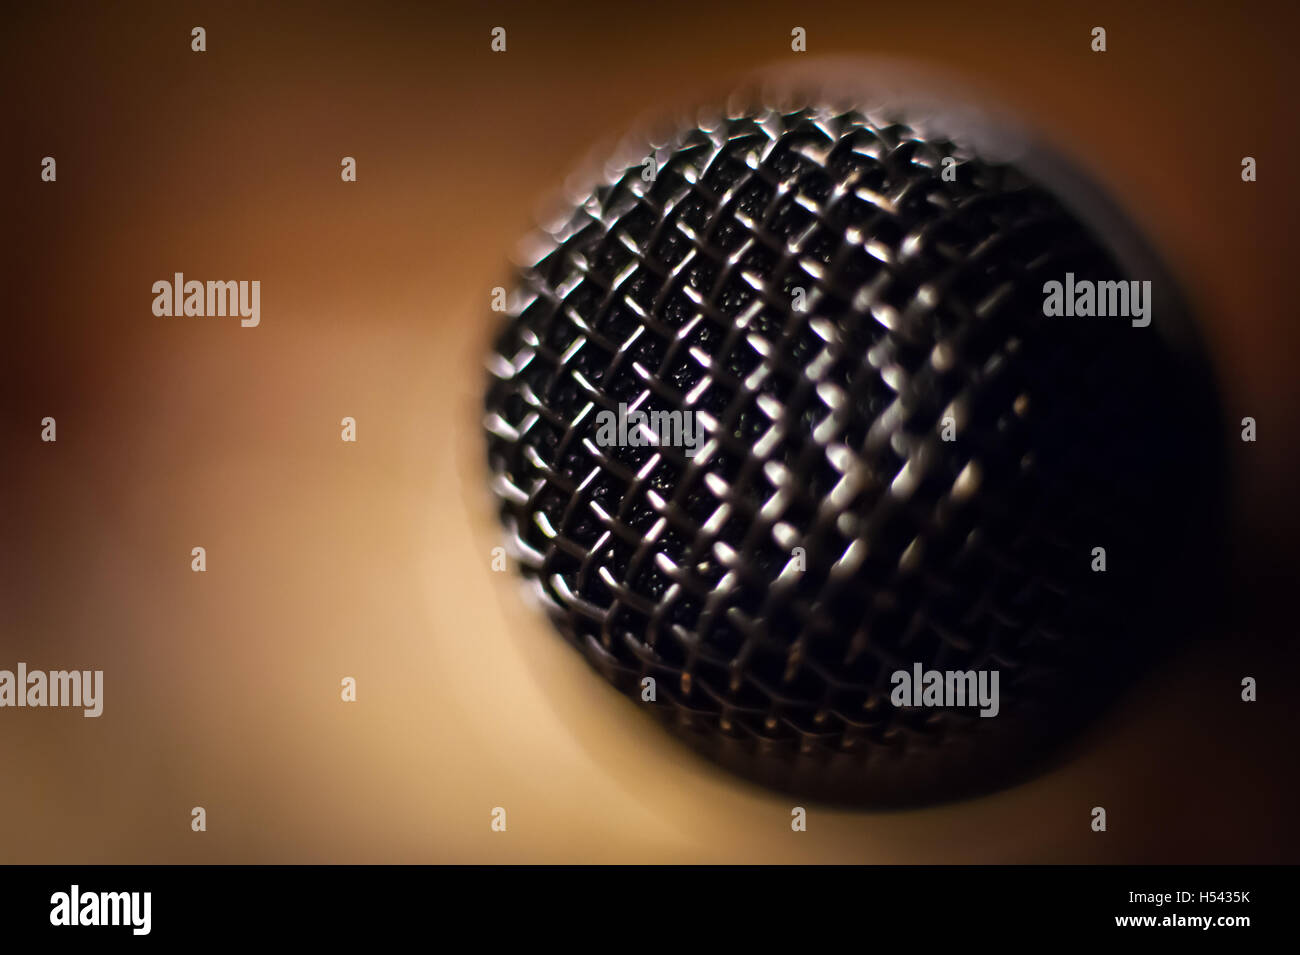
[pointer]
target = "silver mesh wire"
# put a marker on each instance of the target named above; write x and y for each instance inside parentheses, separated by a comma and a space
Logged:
(922, 302)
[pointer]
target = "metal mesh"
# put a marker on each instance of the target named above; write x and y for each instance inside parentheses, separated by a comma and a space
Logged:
(826, 534)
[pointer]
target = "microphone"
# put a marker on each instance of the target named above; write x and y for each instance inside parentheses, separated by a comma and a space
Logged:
(871, 461)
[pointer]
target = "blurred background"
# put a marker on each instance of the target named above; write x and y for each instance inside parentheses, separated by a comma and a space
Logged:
(372, 560)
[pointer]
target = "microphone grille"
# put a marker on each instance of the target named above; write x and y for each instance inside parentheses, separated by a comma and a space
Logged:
(902, 460)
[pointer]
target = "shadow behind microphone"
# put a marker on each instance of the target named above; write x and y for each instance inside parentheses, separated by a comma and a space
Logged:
(792, 440)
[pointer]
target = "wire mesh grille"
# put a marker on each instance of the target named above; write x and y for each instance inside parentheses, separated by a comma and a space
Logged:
(903, 460)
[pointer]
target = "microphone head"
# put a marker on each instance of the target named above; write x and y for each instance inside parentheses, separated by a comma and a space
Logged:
(785, 417)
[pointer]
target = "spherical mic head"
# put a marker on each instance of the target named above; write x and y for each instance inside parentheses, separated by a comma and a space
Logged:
(784, 419)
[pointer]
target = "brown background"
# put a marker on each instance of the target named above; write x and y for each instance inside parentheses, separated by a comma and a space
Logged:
(372, 560)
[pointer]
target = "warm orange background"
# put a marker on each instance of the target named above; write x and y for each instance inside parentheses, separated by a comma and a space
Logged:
(372, 560)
